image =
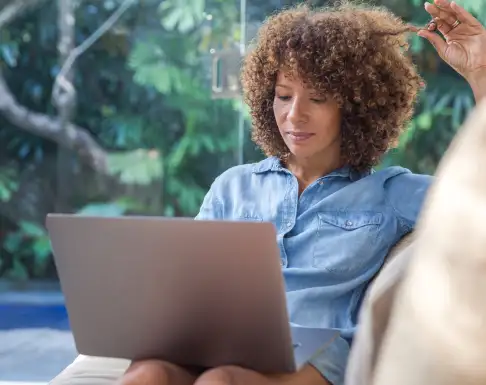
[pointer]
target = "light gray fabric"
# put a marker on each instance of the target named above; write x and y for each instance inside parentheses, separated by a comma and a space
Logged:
(436, 333)
(375, 313)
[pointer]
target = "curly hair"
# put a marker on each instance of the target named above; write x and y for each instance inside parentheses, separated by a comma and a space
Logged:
(356, 55)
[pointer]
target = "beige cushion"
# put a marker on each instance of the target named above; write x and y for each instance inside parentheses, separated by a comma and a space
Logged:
(375, 313)
(436, 333)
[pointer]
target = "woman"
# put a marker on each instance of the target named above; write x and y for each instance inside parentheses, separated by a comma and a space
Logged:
(329, 92)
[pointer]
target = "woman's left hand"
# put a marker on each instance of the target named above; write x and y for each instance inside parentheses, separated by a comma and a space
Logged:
(464, 47)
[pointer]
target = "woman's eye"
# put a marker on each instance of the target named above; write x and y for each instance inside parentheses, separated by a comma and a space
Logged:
(317, 100)
(284, 98)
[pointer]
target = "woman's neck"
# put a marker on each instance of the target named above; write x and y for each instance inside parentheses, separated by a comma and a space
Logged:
(308, 170)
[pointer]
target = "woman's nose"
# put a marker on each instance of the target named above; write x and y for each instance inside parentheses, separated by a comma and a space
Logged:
(297, 111)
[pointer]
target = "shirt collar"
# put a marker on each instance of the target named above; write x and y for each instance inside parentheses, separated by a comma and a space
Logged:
(273, 164)
(269, 164)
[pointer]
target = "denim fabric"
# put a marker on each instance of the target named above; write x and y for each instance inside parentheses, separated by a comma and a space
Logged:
(333, 238)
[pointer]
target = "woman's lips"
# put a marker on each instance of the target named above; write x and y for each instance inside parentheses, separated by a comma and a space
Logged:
(299, 136)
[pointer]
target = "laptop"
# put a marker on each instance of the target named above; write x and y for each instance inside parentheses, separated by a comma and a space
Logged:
(195, 293)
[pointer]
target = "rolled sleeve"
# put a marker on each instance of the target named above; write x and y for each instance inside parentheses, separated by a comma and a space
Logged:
(406, 194)
(331, 362)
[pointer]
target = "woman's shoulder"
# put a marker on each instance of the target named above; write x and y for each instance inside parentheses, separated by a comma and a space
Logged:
(396, 179)
(244, 172)
(396, 182)
(405, 192)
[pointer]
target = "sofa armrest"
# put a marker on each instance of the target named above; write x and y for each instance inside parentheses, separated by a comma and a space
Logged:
(87, 370)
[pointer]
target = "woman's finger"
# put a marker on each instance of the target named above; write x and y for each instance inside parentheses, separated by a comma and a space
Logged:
(451, 11)
(441, 19)
(447, 17)
(439, 44)
(442, 13)
(443, 5)
(444, 26)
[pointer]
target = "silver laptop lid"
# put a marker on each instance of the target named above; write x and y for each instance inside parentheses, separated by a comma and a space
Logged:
(197, 293)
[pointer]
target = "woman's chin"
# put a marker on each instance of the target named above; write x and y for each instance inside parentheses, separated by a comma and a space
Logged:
(313, 150)
(298, 148)
(302, 153)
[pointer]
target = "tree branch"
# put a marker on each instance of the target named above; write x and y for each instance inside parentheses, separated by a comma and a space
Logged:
(14, 9)
(69, 136)
(72, 137)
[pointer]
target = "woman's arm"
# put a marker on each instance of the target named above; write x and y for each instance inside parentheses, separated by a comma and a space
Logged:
(405, 193)
(462, 44)
(212, 206)
(479, 86)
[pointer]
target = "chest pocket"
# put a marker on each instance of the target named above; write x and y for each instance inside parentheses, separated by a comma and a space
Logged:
(249, 217)
(347, 242)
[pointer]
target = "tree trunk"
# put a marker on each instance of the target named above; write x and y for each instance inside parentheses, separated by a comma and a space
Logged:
(69, 136)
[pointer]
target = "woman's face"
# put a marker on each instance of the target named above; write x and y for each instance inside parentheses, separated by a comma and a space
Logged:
(310, 124)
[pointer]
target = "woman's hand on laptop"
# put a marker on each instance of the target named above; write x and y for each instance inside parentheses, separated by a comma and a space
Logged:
(232, 375)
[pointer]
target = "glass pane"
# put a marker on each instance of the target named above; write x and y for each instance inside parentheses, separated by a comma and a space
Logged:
(133, 107)
(107, 110)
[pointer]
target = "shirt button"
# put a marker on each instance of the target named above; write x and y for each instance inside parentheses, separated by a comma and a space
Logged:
(321, 182)
(349, 223)
(289, 225)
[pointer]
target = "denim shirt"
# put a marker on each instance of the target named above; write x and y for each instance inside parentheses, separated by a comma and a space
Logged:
(333, 238)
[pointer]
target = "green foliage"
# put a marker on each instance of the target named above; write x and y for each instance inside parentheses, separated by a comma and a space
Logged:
(174, 62)
(153, 68)
(30, 248)
(8, 183)
(136, 167)
(143, 91)
(182, 16)
(29, 245)
(442, 106)
(440, 113)
(109, 209)
(476, 7)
